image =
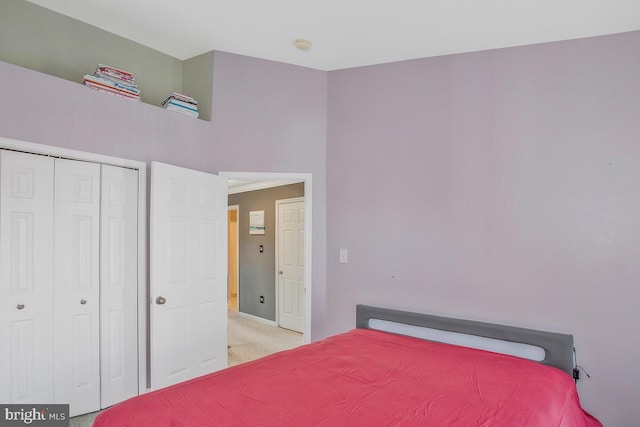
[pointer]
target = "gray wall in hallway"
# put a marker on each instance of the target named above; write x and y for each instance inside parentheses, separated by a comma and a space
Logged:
(257, 270)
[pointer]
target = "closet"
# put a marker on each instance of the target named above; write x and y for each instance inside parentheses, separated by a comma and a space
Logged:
(68, 282)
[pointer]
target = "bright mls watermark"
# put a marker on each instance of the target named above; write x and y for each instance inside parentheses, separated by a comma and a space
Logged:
(34, 415)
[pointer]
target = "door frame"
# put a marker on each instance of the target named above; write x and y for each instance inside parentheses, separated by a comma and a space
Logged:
(141, 167)
(278, 242)
(285, 177)
(237, 209)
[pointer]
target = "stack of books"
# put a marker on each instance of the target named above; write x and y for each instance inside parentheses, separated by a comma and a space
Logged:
(114, 81)
(181, 103)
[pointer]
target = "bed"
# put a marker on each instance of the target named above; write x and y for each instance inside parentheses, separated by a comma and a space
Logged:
(388, 371)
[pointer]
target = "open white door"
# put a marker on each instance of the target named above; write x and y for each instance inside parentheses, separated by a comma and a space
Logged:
(188, 274)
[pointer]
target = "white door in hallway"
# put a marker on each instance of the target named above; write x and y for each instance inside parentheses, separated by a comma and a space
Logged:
(290, 266)
(188, 274)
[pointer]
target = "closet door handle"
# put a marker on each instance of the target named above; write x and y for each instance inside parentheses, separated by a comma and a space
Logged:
(83, 301)
(161, 300)
(20, 306)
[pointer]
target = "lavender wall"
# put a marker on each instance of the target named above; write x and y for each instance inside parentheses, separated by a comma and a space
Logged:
(268, 116)
(501, 186)
(271, 117)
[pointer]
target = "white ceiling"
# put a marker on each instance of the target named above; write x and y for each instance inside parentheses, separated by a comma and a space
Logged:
(348, 33)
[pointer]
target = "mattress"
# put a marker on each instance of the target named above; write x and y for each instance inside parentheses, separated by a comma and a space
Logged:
(365, 378)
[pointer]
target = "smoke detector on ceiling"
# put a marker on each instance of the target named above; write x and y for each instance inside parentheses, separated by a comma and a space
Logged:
(303, 44)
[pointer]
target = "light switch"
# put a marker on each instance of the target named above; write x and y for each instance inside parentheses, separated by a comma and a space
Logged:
(343, 256)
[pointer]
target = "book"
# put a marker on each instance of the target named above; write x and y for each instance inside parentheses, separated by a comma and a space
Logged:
(112, 83)
(181, 103)
(182, 98)
(124, 75)
(182, 110)
(178, 105)
(115, 79)
(111, 91)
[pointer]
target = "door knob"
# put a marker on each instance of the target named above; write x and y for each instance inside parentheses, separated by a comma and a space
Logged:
(83, 301)
(161, 300)
(20, 306)
(280, 272)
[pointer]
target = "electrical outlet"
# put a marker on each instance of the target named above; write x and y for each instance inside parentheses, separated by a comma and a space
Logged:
(344, 257)
(261, 299)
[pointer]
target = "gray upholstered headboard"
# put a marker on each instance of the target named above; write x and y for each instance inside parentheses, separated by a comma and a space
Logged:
(558, 348)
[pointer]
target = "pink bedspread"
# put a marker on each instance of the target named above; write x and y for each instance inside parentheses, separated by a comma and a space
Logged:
(365, 378)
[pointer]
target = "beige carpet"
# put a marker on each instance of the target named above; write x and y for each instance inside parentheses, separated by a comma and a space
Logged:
(248, 340)
(85, 420)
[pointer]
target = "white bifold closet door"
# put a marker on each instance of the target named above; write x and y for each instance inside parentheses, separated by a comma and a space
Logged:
(68, 265)
(26, 271)
(76, 284)
(118, 285)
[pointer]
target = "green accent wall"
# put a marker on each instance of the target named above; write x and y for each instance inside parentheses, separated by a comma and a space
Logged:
(42, 40)
(197, 81)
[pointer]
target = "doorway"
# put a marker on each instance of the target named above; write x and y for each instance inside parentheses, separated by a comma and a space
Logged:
(232, 260)
(271, 179)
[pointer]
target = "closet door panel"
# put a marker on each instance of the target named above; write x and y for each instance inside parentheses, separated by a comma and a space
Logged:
(76, 285)
(119, 284)
(26, 286)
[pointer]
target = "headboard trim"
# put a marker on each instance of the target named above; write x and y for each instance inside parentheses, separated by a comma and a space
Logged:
(558, 347)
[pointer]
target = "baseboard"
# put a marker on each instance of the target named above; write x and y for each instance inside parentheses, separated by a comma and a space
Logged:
(259, 319)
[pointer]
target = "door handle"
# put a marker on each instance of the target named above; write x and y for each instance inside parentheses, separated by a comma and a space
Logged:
(20, 306)
(161, 300)
(83, 301)
(280, 272)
